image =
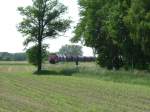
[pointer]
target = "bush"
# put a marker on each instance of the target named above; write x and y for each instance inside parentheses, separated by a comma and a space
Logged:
(32, 54)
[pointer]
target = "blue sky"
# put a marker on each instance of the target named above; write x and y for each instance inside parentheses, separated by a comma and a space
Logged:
(11, 39)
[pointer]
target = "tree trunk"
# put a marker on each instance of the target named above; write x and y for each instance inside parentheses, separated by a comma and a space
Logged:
(39, 56)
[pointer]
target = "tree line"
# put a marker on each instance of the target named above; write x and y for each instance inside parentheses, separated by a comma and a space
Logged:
(5, 56)
(118, 30)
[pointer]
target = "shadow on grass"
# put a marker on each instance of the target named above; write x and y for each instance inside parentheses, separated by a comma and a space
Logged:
(64, 72)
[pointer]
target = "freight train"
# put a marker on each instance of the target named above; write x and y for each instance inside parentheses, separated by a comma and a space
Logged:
(53, 59)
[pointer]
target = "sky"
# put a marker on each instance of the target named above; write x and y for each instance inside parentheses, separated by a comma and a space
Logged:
(11, 40)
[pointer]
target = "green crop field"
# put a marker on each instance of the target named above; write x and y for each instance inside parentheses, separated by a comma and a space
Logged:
(65, 88)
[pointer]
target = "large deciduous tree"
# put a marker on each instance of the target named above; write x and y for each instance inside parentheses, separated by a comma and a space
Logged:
(99, 27)
(42, 20)
(118, 30)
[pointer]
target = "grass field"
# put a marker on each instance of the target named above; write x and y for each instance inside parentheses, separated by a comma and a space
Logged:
(64, 88)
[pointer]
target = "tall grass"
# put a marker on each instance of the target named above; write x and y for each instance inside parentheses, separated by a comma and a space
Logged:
(91, 70)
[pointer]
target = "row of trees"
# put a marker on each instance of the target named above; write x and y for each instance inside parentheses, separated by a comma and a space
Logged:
(5, 56)
(118, 30)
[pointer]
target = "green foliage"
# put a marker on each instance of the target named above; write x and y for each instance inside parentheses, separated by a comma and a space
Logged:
(138, 24)
(71, 50)
(118, 30)
(42, 20)
(32, 54)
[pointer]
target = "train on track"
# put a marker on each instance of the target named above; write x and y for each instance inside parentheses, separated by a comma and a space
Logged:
(54, 58)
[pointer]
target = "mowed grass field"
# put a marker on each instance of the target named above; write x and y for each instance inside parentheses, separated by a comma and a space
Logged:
(65, 88)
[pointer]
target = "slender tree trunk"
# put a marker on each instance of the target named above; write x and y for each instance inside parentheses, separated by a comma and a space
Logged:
(39, 56)
(40, 34)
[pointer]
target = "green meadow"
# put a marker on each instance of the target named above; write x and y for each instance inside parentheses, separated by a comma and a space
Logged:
(65, 88)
